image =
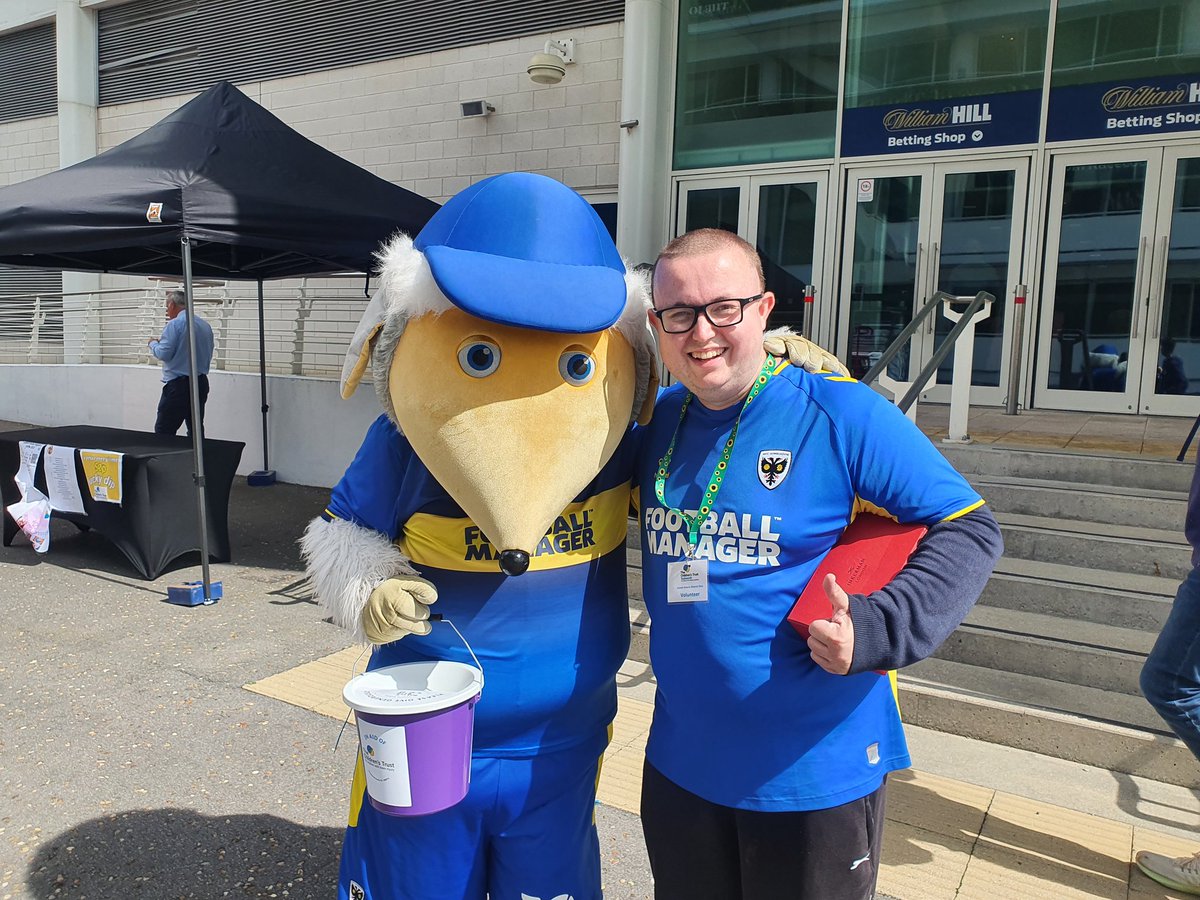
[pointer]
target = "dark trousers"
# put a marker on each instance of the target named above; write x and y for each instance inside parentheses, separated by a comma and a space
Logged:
(701, 851)
(175, 405)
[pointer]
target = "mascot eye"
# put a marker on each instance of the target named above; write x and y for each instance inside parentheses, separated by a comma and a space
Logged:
(576, 367)
(479, 359)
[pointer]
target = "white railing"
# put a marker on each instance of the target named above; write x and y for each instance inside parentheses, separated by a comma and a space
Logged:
(308, 324)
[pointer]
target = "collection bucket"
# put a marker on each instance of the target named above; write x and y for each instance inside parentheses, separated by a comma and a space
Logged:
(415, 723)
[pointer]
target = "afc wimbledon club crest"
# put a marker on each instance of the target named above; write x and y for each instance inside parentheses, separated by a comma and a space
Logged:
(773, 466)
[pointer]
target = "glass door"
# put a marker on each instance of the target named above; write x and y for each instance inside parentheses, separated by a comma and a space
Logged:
(884, 277)
(787, 227)
(783, 216)
(1100, 248)
(952, 227)
(1170, 375)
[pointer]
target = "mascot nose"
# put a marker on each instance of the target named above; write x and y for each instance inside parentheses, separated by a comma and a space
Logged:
(514, 562)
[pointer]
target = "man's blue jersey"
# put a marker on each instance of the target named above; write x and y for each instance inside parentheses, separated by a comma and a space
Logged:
(743, 716)
(551, 640)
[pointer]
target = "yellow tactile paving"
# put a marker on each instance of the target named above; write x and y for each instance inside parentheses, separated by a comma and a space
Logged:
(921, 864)
(633, 723)
(946, 807)
(621, 779)
(317, 685)
(997, 873)
(942, 839)
(1072, 838)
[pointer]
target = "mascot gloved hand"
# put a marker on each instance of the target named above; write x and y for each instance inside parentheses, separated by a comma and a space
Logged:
(398, 607)
(782, 343)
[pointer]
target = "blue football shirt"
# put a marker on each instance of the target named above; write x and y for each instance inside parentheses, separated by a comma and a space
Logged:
(743, 716)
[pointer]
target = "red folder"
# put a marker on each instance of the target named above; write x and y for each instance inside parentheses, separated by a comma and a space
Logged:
(869, 554)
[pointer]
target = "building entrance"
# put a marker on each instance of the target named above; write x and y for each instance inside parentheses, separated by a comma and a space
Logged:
(914, 230)
(1119, 329)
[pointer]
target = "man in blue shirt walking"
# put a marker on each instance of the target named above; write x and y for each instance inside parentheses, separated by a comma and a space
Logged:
(174, 407)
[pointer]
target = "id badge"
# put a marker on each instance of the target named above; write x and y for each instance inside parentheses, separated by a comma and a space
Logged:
(687, 581)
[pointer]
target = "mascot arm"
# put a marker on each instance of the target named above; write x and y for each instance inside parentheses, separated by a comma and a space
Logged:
(349, 565)
(783, 343)
(357, 573)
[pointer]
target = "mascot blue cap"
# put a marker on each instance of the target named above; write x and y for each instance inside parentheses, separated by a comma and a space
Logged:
(525, 250)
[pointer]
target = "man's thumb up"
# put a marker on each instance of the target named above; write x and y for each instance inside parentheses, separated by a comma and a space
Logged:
(832, 640)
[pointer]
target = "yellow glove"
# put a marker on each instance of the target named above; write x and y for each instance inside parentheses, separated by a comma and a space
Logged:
(399, 606)
(800, 351)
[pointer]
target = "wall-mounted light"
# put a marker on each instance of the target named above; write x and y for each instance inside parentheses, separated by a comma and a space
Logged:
(549, 66)
(472, 108)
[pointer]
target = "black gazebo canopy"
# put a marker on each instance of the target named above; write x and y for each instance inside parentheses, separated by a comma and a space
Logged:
(256, 200)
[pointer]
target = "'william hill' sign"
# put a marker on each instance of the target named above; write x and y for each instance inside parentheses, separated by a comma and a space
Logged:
(970, 122)
(1147, 106)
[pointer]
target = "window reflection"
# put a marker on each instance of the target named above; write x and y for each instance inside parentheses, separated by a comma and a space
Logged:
(757, 81)
(1099, 245)
(1108, 40)
(907, 51)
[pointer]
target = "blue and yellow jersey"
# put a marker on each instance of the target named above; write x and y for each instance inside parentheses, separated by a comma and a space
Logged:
(743, 716)
(550, 641)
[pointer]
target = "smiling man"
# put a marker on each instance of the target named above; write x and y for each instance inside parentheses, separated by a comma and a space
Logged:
(767, 758)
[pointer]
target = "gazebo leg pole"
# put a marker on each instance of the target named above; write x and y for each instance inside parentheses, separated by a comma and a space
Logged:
(197, 425)
(264, 476)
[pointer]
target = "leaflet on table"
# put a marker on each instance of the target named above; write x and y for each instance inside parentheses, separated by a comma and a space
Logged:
(62, 480)
(102, 471)
(33, 517)
(30, 454)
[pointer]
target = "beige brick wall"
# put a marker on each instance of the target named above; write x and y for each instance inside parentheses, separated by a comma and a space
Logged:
(28, 148)
(401, 118)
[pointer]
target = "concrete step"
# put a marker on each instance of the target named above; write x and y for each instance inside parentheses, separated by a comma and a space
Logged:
(1140, 602)
(1093, 503)
(1082, 700)
(1157, 552)
(1088, 741)
(1065, 650)
(1076, 468)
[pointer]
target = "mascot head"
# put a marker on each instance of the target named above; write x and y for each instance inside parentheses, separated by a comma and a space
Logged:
(509, 343)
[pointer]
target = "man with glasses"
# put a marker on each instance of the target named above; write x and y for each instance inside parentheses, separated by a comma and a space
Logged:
(767, 757)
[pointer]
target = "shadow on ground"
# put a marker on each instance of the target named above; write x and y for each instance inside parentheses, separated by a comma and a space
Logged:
(167, 854)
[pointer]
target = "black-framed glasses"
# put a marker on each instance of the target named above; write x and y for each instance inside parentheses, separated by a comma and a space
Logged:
(720, 314)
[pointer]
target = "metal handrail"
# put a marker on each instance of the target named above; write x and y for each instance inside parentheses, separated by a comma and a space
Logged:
(918, 384)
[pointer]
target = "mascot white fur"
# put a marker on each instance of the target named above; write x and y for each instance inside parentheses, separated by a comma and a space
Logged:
(509, 347)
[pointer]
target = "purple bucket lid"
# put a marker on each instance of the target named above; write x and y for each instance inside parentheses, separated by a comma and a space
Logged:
(411, 688)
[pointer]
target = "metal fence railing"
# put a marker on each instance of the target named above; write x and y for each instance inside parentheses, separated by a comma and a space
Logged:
(307, 325)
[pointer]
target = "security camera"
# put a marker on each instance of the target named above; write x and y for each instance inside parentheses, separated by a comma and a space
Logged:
(550, 66)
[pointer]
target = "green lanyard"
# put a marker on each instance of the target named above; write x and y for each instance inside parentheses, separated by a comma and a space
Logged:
(718, 476)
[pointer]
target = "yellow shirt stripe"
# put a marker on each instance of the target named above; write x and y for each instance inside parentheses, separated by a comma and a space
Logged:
(584, 531)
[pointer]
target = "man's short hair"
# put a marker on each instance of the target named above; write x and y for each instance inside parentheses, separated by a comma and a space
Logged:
(177, 297)
(703, 241)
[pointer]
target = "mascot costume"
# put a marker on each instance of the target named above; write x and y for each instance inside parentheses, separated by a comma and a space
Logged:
(510, 349)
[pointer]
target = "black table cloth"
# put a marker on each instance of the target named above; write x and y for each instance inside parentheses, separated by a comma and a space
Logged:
(156, 521)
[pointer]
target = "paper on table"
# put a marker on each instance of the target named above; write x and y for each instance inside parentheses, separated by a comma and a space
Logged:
(102, 470)
(61, 479)
(30, 454)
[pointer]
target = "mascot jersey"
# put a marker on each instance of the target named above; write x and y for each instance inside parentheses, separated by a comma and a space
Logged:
(743, 716)
(551, 640)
